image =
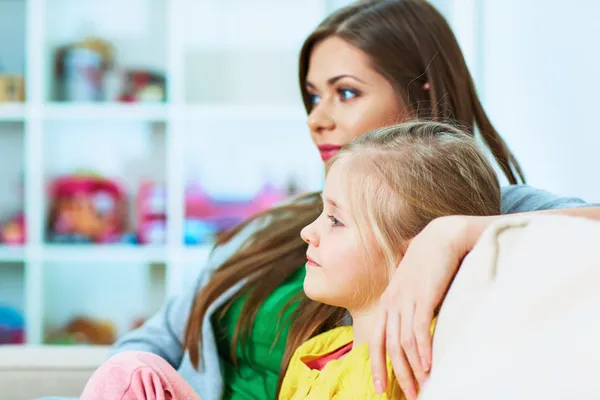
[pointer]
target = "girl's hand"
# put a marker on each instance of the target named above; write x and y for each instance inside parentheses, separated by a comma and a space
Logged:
(415, 291)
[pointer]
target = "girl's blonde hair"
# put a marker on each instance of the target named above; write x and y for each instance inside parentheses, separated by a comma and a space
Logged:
(398, 179)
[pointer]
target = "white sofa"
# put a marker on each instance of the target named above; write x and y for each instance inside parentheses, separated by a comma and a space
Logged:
(28, 372)
(510, 297)
(521, 319)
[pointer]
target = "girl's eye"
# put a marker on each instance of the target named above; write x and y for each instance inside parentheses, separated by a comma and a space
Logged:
(347, 94)
(335, 223)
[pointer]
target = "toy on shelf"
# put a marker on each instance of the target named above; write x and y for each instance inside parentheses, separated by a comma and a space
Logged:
(12, 231)
(207, 217)
(83, 330)
(151, 219)
(86, 209)
(12, 326)
(80, 70)
(12, 88)
(143, 86)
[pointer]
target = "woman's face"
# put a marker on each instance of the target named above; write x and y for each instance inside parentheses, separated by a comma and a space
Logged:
(349, 98)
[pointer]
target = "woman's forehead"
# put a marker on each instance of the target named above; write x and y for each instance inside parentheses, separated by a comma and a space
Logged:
(334, 57)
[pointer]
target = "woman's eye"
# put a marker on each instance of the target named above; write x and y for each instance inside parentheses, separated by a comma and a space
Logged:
(347, 94)
(334, 221)
(314, 99)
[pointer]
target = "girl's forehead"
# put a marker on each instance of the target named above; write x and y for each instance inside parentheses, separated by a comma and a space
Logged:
(337, 175)
(333, 183)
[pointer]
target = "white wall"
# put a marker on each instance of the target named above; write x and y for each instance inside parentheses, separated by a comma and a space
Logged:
(539, 82)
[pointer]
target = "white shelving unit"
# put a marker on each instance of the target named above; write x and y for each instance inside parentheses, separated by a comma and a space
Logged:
(179, 48)
(12, 113)
(233, 116)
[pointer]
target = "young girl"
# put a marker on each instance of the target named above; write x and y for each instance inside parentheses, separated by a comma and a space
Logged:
(380, 192)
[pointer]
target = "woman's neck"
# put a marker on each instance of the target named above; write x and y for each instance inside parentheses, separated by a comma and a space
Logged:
(363, 321)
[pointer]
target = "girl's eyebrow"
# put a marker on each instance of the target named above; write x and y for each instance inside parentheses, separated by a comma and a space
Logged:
(330, 201)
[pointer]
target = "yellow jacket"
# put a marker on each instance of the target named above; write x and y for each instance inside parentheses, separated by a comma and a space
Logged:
(347, 378)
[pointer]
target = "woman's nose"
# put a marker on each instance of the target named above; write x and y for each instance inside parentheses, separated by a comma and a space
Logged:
(321, 118)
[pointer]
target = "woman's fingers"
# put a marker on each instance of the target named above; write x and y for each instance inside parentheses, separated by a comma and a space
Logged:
(377, 353)
(400, 364)
(422, 331)
(409, 345)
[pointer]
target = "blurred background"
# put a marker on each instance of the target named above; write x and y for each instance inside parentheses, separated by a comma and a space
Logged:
(132, 133)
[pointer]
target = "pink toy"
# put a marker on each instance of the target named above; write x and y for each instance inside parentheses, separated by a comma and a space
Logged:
(13, 230)
(226, 213)
(205, 216)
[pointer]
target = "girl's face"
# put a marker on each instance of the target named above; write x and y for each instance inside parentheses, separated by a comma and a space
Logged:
(349, 98)
(341, 270)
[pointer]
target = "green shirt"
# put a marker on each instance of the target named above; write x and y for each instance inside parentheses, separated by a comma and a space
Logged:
(258, 366)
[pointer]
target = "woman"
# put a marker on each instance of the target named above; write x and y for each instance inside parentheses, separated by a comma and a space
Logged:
(369, 65)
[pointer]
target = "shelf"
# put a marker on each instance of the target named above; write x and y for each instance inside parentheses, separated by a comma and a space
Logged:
(90, 254)
(242, 113)
(10, 254)
(106, 111)
(103, 253)
(215, 94)
(196, 254)
(158, 112)
(12, 112)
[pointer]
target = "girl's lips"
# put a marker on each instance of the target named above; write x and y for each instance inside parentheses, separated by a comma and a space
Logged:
(311, 263)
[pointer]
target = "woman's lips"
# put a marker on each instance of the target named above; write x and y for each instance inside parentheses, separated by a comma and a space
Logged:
(311, 263)
(328, 150)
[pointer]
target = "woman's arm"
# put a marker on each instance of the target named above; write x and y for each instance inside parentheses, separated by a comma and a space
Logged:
(524, 198)
(163, 333)
(475, 226)
(421, 280)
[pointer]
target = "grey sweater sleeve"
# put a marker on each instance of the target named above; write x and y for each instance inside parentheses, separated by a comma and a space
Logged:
(525, 198)
(163, 333)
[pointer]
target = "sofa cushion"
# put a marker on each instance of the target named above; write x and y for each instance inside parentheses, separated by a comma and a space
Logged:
(520, 319)
(28, 372)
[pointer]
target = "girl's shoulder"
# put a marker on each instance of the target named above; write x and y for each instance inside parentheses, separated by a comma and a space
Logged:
(326, 342)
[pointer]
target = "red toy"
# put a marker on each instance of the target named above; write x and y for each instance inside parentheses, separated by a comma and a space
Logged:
(86, 208)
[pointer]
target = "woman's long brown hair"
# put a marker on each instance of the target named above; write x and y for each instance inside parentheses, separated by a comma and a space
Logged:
(410, 43)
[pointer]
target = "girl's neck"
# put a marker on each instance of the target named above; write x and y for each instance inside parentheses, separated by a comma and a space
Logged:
(363, 321)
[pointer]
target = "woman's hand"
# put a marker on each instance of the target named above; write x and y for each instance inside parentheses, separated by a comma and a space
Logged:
(415, 291)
